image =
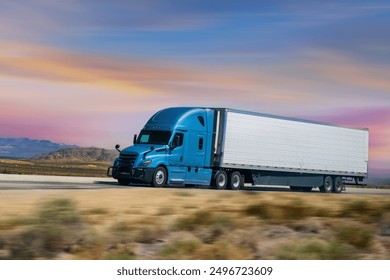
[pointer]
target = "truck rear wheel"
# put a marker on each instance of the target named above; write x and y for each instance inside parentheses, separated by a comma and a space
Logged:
(328, 185)
(338, 185)
(235, 181)
(159, 177)
(220, 180)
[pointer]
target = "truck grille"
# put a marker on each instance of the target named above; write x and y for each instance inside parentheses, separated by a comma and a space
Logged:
(127, 161)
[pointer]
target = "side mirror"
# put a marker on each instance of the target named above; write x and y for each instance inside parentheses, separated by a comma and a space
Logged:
(135, 139)
(117, 146)
(172, 145)
(176, 142)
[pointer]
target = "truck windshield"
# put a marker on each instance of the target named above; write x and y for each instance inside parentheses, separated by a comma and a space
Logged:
(160, 137)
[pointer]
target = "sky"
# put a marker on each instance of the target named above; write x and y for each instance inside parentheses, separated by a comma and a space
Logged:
(92, 72)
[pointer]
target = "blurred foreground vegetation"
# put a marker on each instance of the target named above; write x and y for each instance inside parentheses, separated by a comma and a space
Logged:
(223, 225)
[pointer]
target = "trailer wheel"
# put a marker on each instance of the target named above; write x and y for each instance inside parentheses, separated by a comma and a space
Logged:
(235, 181)
(123, 182)
(220, 180)
(338, 185)
(159, 177)
(328, 185)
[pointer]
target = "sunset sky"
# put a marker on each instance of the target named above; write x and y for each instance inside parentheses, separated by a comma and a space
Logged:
(92, 72)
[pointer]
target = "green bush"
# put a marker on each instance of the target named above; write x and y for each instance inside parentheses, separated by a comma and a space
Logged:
(201, 218)
(193, 221)
(57, 223)
(222, 250)
(358, 237)
(193, 249)
(315, 250)
(180, 249)
(96, 211)
(294, 210)
(364, 211)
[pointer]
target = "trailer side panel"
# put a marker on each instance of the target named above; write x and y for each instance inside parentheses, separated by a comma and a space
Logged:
(265, 142)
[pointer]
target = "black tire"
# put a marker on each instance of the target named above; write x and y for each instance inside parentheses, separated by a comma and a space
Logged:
(220, 180)
(235, 181)
(160, 176)
(338, 185)
(123, 182)
(328, 185)
(294, 189)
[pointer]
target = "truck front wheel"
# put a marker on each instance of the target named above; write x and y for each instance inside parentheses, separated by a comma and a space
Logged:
(159, 177)
(220, 180)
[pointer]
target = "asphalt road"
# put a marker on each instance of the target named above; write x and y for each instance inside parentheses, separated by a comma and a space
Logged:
(31, 182)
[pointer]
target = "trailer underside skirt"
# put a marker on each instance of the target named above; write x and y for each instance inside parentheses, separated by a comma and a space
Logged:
(287, 179)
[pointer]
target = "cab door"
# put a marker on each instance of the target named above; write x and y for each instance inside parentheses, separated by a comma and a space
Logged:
(195, 153)
(176, 168)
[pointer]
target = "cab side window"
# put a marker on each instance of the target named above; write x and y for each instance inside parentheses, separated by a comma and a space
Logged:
(200, 145)
(178, 140)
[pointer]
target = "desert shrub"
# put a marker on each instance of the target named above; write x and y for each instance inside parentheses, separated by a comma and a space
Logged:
(164, 211)
(90, 248)
(120, 256)
(180, 249)
(195, 249)
(121, 251)
(207, 226)
(359, 237)
(96, 211)
(213, 232)
(192, 221)
(14, 223)
(57, 223)
(122, 226)
(59, 212)
(148, 234)
(222, 250)
(364, 211)
(315, 250)
(260, 210)
(292, 210)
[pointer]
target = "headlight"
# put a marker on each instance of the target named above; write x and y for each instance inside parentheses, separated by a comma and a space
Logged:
(146, 163)
(115, 162)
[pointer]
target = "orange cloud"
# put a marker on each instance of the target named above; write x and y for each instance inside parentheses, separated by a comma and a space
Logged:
(141, 77)
(40, 63)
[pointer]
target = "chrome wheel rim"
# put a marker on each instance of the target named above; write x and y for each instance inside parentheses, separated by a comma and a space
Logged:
(221, 180)
(236, 181)
(160, 177)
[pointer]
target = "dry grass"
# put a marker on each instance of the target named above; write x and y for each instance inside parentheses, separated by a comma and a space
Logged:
(148, 223)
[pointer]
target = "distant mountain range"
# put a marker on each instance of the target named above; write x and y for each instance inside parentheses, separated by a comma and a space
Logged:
(27, 148)
(80, 154)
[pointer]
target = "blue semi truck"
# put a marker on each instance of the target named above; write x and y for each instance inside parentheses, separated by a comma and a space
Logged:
(225, 148)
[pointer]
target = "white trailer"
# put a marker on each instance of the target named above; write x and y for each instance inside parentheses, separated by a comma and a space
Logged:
(302, 154)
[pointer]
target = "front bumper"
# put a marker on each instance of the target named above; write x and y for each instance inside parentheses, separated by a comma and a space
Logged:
(136, 175)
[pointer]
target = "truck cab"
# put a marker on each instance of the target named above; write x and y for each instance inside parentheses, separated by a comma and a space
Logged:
(174, 148)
